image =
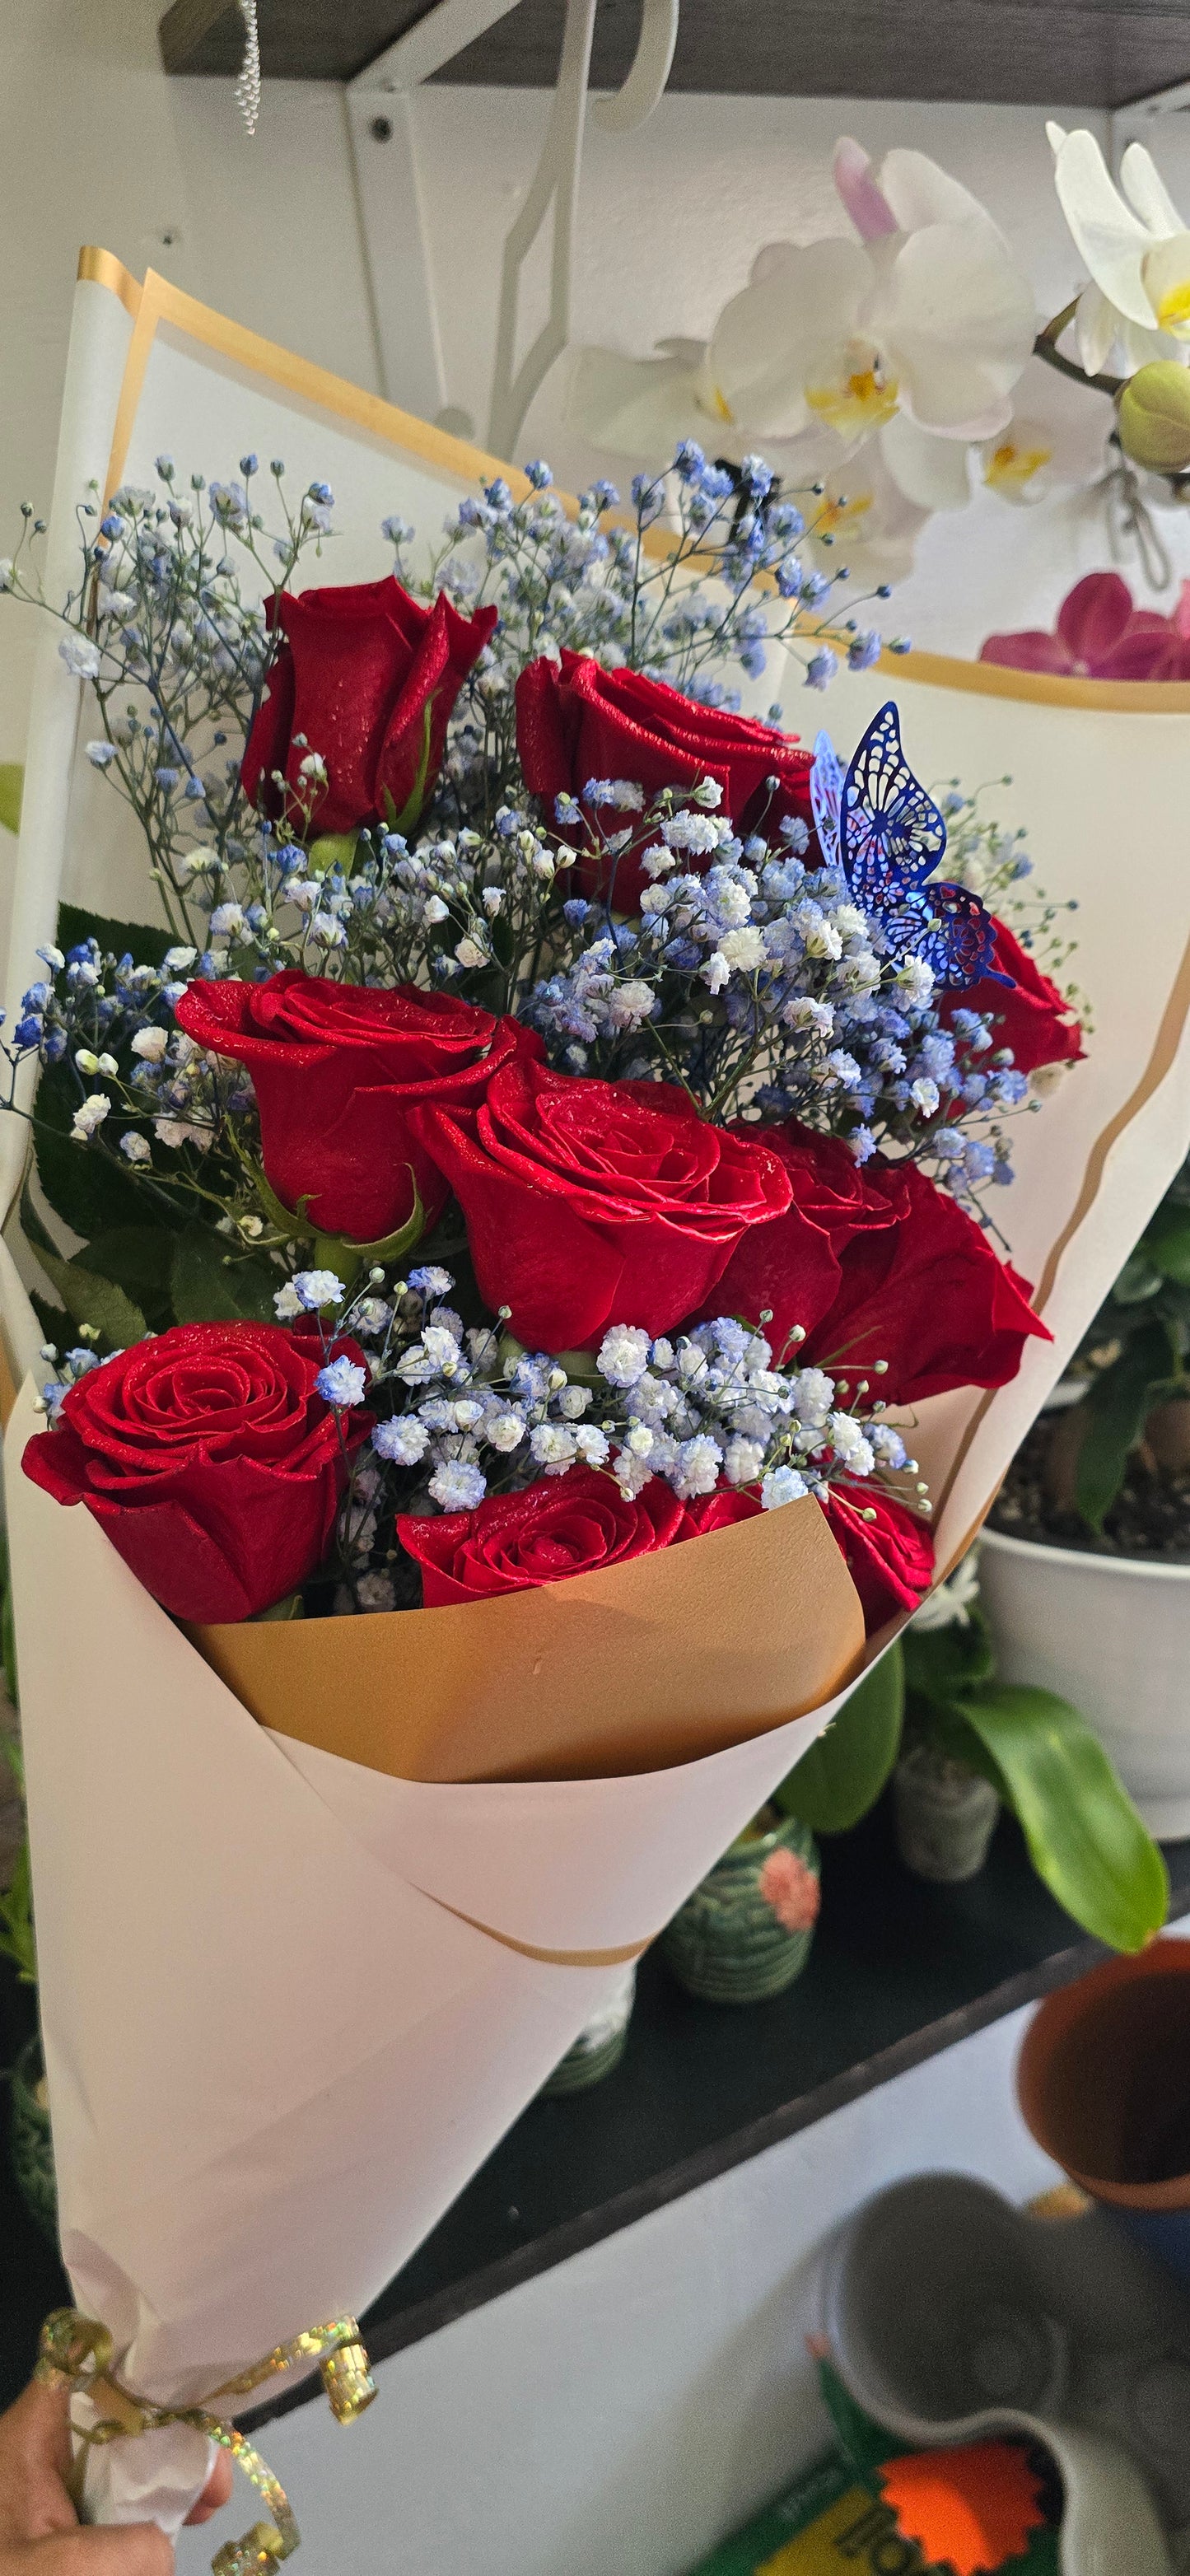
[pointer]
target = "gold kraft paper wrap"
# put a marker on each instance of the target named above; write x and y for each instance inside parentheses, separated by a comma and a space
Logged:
(652, 1663)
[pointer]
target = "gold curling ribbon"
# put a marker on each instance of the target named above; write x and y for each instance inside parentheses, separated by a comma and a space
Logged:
(76, 2353)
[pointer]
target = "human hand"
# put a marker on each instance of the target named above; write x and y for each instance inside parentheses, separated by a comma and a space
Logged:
(40, 2532)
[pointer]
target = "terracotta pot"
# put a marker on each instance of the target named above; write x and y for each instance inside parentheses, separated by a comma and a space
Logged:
(1104, 2085)
(1111, 1635)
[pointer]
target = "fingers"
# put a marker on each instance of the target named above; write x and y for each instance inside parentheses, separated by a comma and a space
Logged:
(115, 2549)
(216, 2491)
(35, 2464)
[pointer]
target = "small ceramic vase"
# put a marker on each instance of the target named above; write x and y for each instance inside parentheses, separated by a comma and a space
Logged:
(945, 1816)
(30, 2143)
(600, 2044)
(746, 1932)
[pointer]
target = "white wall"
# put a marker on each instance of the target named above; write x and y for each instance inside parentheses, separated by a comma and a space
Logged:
(621, 2413)
(100, 147)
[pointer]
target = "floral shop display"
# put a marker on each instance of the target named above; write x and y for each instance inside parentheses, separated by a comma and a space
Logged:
(549, 1202)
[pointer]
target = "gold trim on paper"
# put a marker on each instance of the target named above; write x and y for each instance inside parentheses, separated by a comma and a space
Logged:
(159, 302)
(1162, 1057)
(619, 1958)
(102, 268)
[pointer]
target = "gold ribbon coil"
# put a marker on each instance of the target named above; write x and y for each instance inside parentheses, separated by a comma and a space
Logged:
(76, 2353)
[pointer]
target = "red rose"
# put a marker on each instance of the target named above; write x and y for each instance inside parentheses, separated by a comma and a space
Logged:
(368, 676)
(578, 1523)
(920, 1288)
(337, 1069)
(596, 1203)
(1032, 1017)
(890, 1558)
(793, 1266)
(582, 722)
(210, 1459)
(720, 1510)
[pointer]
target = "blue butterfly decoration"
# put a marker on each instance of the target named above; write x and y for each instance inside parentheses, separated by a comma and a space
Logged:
(876, 824)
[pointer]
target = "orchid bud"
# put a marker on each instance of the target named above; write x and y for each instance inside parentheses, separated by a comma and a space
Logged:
(1154, 417)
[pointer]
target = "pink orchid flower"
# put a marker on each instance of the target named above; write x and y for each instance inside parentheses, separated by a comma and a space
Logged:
(1101, 635)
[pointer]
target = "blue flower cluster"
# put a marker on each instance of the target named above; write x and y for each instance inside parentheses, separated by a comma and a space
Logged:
(765, 988)
(465, 1411)
(708, 575)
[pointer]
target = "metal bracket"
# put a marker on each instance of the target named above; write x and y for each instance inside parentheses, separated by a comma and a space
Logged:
(556, 184)
(396, 249)
(392, 219)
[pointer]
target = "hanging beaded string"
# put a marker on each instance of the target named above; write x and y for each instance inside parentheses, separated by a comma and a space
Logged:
(248, 84)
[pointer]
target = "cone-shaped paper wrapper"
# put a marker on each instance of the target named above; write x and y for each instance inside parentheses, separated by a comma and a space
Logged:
(672, 1656)
(298, 1976)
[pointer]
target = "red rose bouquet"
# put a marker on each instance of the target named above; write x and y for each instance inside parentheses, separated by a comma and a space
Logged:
(530, 1271)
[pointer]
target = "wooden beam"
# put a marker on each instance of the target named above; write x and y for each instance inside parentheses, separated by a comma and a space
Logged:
(1085, 53)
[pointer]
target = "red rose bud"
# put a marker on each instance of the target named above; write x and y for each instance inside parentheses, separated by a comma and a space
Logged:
(337, 1070)
(368, 677)
(890, 1557)
(210, 1460)
(587, 1201)
(580, 722)
(918, 1282)
(578, 1523)
(1031, 1017)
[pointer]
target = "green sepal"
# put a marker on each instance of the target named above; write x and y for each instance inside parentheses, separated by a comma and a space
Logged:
(291, 1606)
(1085, 1838)
(843, 1773)
(411, 811)
(331, 850)
(88, 1297)
(297, 1228)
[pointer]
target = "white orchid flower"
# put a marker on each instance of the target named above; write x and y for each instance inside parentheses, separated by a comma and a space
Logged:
(925, 315)
(950, 311)
(864, 520)
(1136, 247)
(1029, 458)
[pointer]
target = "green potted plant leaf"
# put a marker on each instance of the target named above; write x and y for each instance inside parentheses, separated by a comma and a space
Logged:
(960, 1743)
(1086, 1561)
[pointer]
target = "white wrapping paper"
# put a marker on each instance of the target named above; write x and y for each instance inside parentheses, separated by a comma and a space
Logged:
(276, 2050)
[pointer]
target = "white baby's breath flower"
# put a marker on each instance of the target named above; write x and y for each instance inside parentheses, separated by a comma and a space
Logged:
(89, 1117)
(744, 950)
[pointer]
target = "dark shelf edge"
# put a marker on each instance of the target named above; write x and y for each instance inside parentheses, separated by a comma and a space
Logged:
(392, 2335)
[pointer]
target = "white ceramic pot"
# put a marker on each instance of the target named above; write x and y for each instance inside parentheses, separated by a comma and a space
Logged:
(1113, 1637)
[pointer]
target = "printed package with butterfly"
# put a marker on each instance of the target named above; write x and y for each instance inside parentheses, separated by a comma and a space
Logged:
(543, 1314)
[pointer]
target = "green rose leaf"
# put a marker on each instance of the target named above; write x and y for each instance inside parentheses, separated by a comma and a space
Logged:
(88, 1297)
(211, 1286)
